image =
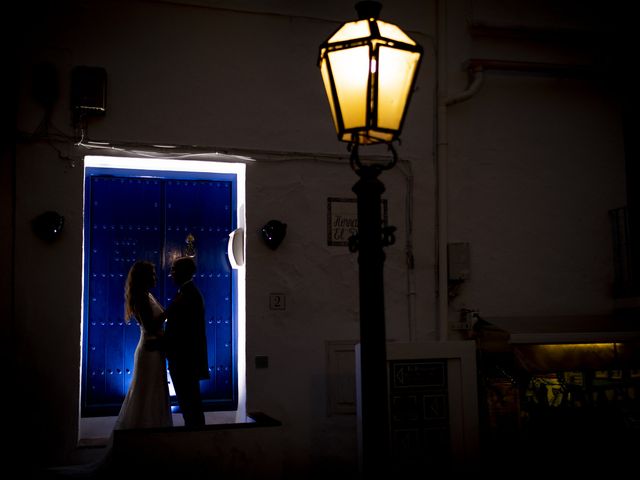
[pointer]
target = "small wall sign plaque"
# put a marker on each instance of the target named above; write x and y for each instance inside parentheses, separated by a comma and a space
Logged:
(342, 220)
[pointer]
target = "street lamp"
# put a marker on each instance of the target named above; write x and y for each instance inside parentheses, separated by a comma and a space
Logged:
(369, 68)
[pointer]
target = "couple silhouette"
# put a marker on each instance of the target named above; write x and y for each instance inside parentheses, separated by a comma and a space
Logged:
(175, 335)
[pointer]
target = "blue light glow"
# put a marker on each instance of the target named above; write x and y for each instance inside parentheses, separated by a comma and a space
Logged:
(122, 197)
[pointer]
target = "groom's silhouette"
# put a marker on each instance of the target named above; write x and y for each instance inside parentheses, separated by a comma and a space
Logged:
(186, 343)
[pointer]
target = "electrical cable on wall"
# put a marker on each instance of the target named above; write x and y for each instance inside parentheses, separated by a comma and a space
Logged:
(88, 101)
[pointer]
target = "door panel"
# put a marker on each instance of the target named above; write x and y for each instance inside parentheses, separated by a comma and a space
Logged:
(133, 218)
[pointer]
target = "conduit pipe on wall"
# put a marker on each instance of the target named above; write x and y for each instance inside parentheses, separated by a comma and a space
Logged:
(544, 68)
(477, 78)
(442, 151)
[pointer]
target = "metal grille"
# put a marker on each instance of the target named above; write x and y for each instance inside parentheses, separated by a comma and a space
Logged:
(419, 408)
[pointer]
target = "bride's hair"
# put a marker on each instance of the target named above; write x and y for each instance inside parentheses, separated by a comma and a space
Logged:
(136, 289)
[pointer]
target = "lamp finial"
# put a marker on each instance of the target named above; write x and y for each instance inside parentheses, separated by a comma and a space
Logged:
(368, 9)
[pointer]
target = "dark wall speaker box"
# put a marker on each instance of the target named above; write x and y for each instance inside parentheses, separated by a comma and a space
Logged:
(89, 90)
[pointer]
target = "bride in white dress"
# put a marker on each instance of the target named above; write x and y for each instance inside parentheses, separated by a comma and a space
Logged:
(147, 402)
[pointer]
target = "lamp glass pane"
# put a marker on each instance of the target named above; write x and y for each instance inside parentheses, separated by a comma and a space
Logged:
(396, 69)
(350, 68)
(351, 30)
(393, 32)
(324, 69)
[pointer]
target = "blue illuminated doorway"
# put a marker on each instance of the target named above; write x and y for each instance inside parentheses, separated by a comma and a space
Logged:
(156, 215)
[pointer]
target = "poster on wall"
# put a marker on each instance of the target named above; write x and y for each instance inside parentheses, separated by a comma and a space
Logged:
(342, 220)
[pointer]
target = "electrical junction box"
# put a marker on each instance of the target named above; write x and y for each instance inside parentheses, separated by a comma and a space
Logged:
(467, 320)
(88, 90)
(262, 361)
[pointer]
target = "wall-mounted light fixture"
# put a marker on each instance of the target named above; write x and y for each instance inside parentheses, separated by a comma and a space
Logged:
(273, 233)
(235, 248)
(48, 226)
(369, 68)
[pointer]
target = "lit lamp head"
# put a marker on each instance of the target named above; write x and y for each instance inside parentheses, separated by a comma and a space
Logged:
(369, 67)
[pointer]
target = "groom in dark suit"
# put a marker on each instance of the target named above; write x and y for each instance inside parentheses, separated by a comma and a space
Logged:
(186, 343)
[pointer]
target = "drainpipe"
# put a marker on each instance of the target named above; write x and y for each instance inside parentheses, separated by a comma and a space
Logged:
(442, 151)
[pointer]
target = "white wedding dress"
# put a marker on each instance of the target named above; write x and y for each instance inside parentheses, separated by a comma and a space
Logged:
(147, 402)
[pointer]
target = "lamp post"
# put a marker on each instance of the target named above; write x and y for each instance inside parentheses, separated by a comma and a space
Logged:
(368, 68)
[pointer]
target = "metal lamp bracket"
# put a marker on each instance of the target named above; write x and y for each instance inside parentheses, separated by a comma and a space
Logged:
(359, 167)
